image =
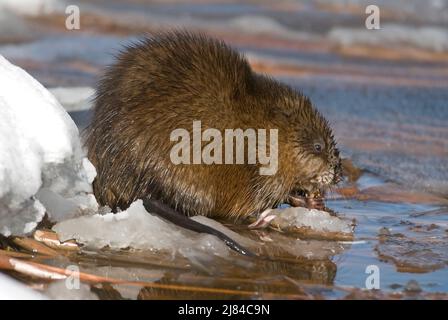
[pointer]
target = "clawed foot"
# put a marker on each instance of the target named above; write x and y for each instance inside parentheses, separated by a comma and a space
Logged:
(307, 202)
(310, 203)
(263, 220)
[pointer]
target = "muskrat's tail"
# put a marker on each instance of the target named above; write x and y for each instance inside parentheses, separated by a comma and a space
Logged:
(162, 210)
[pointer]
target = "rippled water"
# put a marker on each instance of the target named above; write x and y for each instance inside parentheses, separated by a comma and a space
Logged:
(388, 105)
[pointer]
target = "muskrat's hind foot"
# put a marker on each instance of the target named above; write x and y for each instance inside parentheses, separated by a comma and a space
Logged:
(162, 210)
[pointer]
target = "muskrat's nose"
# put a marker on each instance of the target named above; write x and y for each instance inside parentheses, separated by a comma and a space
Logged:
(335, 159)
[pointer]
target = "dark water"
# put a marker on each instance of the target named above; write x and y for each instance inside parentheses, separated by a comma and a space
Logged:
(388, 106)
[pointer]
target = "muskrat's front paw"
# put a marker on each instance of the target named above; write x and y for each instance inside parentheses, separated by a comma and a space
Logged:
(307, 200)
(263, 220)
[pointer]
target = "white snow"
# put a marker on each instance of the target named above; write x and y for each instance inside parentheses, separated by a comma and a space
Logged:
(41, 158)
(14, 290)
(137, 229)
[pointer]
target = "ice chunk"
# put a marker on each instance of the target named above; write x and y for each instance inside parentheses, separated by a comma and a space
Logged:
(423, 249)
(313, 223)
(137, 229)
(63, 208)
(14, 290)
(41, 159)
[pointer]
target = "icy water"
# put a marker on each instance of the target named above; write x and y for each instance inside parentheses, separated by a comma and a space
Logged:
(387, 100)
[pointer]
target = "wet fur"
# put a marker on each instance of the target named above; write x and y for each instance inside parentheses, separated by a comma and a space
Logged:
(168, 81)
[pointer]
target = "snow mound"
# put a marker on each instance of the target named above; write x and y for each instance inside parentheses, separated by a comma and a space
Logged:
(135, 228)
(42, 164)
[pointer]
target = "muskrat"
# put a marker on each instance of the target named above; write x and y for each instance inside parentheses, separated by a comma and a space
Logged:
(172, 79)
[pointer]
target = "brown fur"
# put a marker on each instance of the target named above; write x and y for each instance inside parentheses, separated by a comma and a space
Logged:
(168, 81)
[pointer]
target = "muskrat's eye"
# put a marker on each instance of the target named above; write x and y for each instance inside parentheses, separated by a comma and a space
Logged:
(318, 147)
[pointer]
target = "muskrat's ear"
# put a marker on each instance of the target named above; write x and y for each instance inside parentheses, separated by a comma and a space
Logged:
(292, 105)
(244, 82)
(237, 91)
(288, 106)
